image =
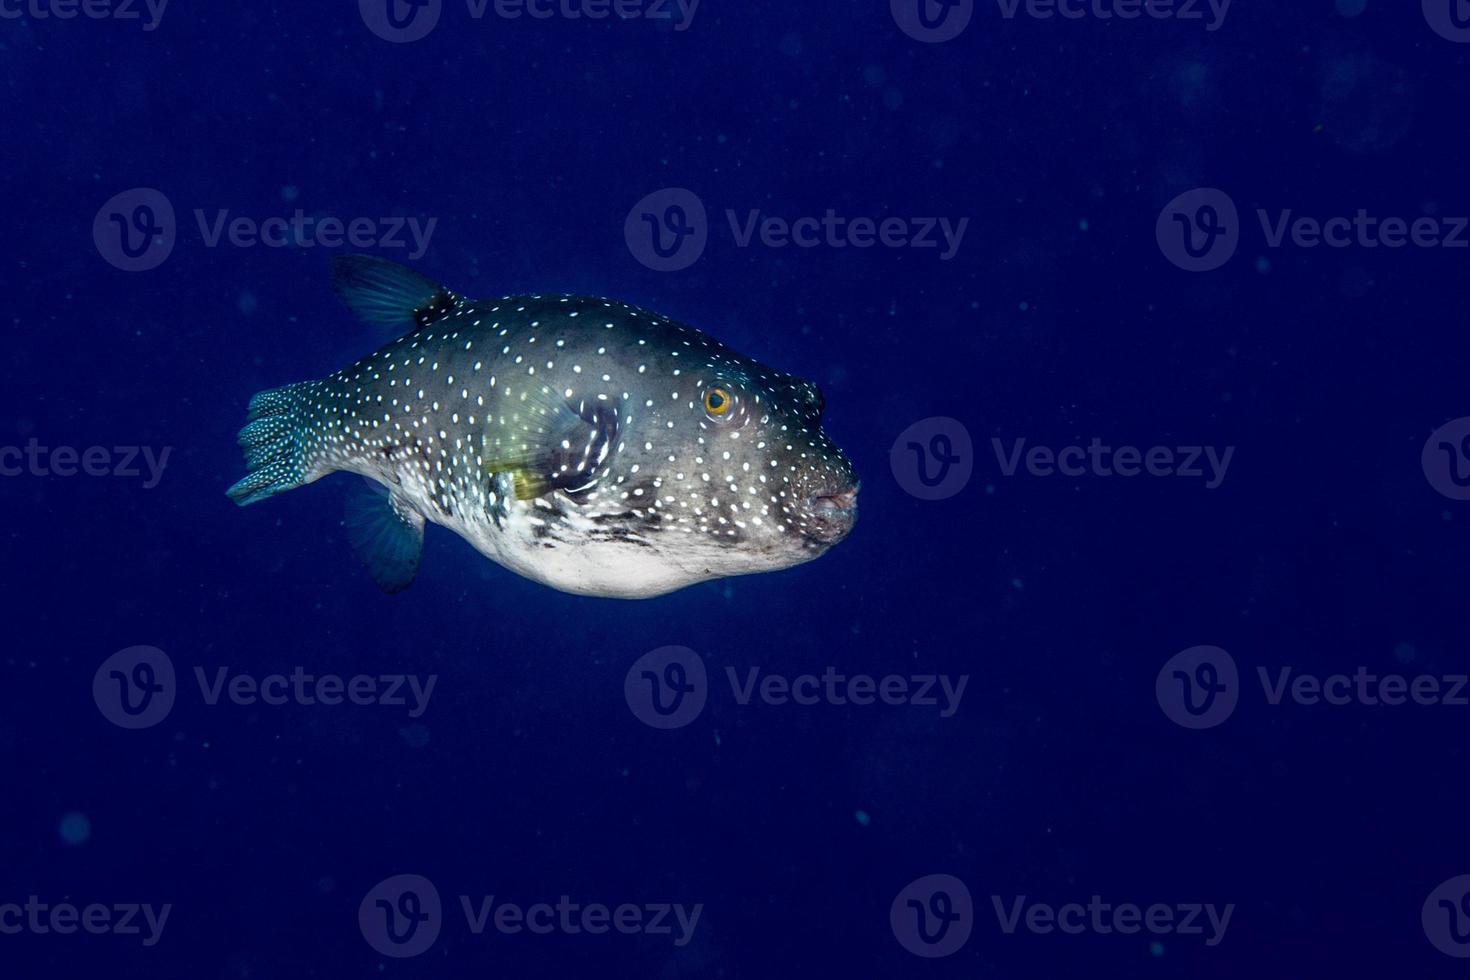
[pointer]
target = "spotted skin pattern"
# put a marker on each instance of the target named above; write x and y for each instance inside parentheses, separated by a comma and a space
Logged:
(595, 447)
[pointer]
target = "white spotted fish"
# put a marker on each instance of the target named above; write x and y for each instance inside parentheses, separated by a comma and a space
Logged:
(586, 444)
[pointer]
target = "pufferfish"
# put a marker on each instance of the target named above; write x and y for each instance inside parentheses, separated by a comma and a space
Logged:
(586, 444)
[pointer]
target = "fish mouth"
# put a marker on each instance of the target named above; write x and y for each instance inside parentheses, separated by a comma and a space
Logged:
(833, 514)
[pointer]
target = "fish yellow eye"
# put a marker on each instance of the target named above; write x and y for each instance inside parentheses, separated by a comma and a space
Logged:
(717, 401)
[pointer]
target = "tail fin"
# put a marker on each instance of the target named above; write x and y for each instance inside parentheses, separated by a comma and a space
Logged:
(279, 442)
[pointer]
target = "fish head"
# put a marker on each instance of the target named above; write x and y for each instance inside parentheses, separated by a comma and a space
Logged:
(744, 476)
(759, 436)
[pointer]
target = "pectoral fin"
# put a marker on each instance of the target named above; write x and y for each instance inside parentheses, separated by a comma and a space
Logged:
(545, 442)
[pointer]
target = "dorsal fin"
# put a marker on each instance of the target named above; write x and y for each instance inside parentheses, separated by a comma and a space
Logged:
(386, 293)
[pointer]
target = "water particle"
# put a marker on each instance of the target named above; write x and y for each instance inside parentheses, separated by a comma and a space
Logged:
(414, 736)
(76, 828)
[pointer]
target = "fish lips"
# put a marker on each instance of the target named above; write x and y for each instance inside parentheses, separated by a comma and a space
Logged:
(832, 514)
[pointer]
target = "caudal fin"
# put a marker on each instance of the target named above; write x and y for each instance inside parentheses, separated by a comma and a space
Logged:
(279, 442)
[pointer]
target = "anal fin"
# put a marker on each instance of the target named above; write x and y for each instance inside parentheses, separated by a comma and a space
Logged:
(387, 533)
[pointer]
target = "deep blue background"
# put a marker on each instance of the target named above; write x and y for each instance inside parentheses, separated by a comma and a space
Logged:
(1059, 321)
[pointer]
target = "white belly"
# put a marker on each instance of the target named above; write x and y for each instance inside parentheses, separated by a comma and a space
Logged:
(574, 558)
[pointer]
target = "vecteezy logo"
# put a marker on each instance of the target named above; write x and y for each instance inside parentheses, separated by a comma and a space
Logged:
(134, 688)
(1446, 917)
(1199, 688)
(401, 21)
(667, 688)
(932, 21)
(933, 458)
(667, 230)
(932, 916)
(1446, 459)
(401, 916)
(1449, 18)
(135, 230)
(1199, 230)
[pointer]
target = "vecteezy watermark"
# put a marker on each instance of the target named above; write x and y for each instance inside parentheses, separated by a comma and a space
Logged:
(136, 688)
(1363, 687)
(403, 916)
(1201, 687)
(933, 21)
(669, 229)
(832, 230)
(404, 21)
(1446, 459)
(303, 231)
(934, 916)
(668, 688)
(1446, 917)
(64, 919)
(136, 230)
(1098, 459)
(1450, 19)
(148, 12)
(34, 459)
(1211, 13)
(834, 688)
(1101, 918)
(933, 458)
(1200, 230)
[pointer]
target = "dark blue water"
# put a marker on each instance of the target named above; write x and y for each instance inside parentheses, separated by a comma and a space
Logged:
(1079, 760)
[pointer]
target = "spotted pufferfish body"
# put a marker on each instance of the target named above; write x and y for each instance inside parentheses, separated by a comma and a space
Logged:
(589, 445)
